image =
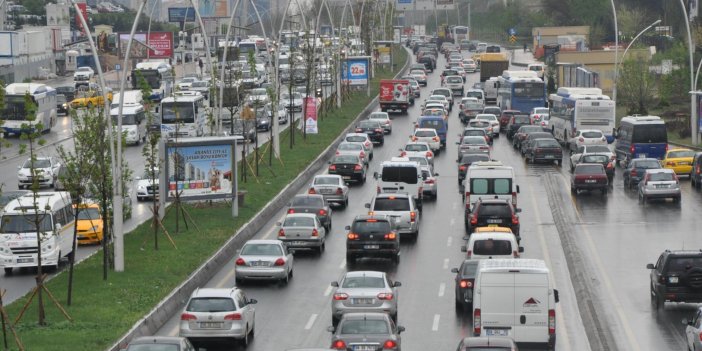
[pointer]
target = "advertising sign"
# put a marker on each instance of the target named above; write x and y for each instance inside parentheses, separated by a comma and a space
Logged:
(445, 5)
(181, 14)
(83, 10)
(158, 45)
(311, 115)
(200, 168)
(355, 70)
(213, 8)
(383, 49)
(404, 5)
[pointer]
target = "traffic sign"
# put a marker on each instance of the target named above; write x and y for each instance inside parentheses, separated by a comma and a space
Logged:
(512, 32)
(512, 39)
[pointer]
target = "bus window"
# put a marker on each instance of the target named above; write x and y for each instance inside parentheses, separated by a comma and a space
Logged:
(654, 133)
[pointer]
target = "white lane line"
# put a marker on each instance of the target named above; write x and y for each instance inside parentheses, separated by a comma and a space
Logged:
(452, 222)
(271, 231)
(310, 322)
(328, 291)
(446, 262)
(449, 241)
(174, 331)
(455, 205)
(442, 289)
(435, 325)
(227, 278)
(343, 264)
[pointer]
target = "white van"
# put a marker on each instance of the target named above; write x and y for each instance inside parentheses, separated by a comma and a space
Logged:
(400, 176)
(18, 230)
(133, 123)
(492, 245)
(515, 298)
(489, 179)
(490, 89)
(131, 98)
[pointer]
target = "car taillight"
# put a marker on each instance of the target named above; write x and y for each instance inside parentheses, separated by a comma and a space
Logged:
(413, 216)
(543, 123)
(581, 139)
(368, 144)
(291, 210)
(698, 170)
(357, 167)
(430, 154)
(281, 232)
(467, 202)
(465, 283)
(632, 149)
(633, 172)
(462, 168)
(677, 180)
(362, 154)
(233, 317)
(474, 219)
(379, 130)
(340, 296)
(610, 165)
(332, 168)
(552, 322)
(352, 236)
(389, 344)
(487, 139)
(385, 296)
(315, 232)
(469, 253)
(514, 199)
(339, 345)
(414, 138)
(279, 262)
(311, 191)
(322, 212)
(240, 261)
(435, 138)
(403, 153)
(390, 236)
(476, 322)
(339, 191)
(429, 181)
(700, 336)
(187, 317)
(484, 148)
(337, 152)
(359, 130)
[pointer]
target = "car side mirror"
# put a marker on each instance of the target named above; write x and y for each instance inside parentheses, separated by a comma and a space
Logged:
(396, 284)
(400, 329)
(330, 329)
(375, 175)
(335, 284)
(650, 266)
(348, 227)
(555, 295)
(366, 205)
(521, 249)
(454, 270)
(517, 189)
(517, 210)
(464, 249)
(252, 302)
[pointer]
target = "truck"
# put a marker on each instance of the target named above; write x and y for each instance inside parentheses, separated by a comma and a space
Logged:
(492, 64)
(419, 30)
(395, 94)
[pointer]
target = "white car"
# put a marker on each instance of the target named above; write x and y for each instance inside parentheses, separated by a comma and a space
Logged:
(282, 113)
(415, 148)
(437, 98)
(361, 138)
(469, 66)
(591, 149)
(45, 169)
(430, 182)
(538, 114)
(356, 149)
(384, 119)
(587, 137)
(429, 136)
(216, 314)
(291, 102)
(258, 96)
(494, 122)
(83, 73)
(145, 187)
(185, 83)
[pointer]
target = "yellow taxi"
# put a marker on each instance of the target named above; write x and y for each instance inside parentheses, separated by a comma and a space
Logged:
(679, 160)
(90, 98)
(436, 112)
(492, 229)
(90, 230)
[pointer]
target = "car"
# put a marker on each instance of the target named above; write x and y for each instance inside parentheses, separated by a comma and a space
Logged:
(589, 176)
(465, 278)
(493, 122)
(679, 160)
(538, 114)
(89, 97)
(437, 98)
(429, 62)
(222, 315)
(69, 91)
(602, 159)
(429, 136)
(593, 149)
(495, 244)
(487, 343)
(43, 169)
(693, 330)
(202, 87)
(522, 134)
(186, 83)
(83, 73)
(417, 148)
(455, 83)
(469, 66)
(659, 183)
(466, 161)
(446, 92)
(373, 128)
(372, 236)
(384, 119)
(303, 231)
(401, 208)
(539, 68)
(514, 123)
(548, 150)
(505, 116)
(458, 66)
(492, 213)
(485, 126)
(360, 138)
(349, 167)
(332, 187)
(635, 170)
(448, 72)
(159, 343)
(469, 107)
(435, 109)
(676, 277)
(291, 101)
(430, 183)
(586, 137)
(358, 149)
(62, 106)
(259, 97)
(312, 203)
(420, 76)
(89, 223)
(264, 260)
(527, 143)
(696, 172)
(477, 93)
(364, 291)
(366, 331)
(471, 145)
(418, 66)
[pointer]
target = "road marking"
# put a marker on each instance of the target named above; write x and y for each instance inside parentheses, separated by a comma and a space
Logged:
(442, 289)
(343, 264)
(453, 221)
(449, 241)
(435, 325)
(227, 278)
(446, 262)
(175, 330)
(310, 322)
(328, 291)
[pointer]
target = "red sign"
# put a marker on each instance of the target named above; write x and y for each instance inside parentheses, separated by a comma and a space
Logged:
(158, 46)
(311, 115)
(161, 44)
(83, 10)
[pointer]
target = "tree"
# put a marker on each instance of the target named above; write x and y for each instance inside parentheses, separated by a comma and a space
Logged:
(3, 143)
(636, 86)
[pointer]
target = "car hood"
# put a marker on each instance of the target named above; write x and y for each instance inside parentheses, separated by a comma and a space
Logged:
(146, 182)
(28, 171)
(87, 224)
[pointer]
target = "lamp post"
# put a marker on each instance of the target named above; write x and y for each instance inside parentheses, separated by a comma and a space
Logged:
(693, 97)
(616, 52)
(636, 37)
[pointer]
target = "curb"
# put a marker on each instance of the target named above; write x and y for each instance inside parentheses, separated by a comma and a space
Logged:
(172, 303)
(696, 148)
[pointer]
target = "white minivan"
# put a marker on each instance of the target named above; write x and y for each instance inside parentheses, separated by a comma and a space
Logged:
(515, 298)
(400, 175)
(492, 245)
(489, 179)
(133, 123)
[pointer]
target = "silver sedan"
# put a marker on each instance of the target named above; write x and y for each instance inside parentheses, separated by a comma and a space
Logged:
(431, 183)
(332, 187)
(264, 259)
(364, 291)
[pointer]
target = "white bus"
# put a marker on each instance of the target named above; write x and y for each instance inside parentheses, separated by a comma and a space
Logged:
(19, 231)
(158, 75)
(133, 123)
(14, 114)
(460, 33)
(581, 108)
(184, 115)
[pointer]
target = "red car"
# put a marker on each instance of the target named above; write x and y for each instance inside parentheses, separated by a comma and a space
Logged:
(589, 176)
(506, 116)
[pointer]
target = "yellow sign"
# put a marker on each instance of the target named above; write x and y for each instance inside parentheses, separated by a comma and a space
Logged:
(247, 113)
(512, 39)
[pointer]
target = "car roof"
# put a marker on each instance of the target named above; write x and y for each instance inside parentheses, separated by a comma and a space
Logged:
(212, 292)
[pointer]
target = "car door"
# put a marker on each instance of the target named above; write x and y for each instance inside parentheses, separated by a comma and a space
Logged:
(246, 309)
(693, 329)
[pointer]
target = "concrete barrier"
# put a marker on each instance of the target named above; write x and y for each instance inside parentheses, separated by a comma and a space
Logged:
(173, 303)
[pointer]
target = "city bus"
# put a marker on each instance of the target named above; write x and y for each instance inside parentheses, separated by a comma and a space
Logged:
(581, 108)
(14, 114)
(459, 33)
(520, 90)
(158, 75)
(184, 115)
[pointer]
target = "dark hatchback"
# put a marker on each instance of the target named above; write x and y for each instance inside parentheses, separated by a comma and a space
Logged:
(61, 104)
(465, 280)
(493, 213)
(514, 123)
(527, 142)
(545, 150)
(522, 133)
(602, 159)
(428, 61)
(374, 129)
(68, 91)
(636, 169)
(349, 167)
(312, 203)
(372, 236)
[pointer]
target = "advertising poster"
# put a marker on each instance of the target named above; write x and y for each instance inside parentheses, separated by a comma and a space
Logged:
(354, 71)
(199, 171)
(213, 8)
(311, 115)
(158, 45)
(383, 53)
(84, 10)
(181, 14)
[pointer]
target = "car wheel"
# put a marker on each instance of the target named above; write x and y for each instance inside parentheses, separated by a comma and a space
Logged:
(396, 258)
(245, 340)
(350, 259)
(573, 190)
(8, 270)
(238, 281)
(603, 191)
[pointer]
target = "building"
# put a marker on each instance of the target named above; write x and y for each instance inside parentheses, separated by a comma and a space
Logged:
(573, 38)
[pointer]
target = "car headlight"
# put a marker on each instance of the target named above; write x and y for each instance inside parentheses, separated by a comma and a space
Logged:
(4, 250)
(46, 248)
(65, 106)
(141, 187)
(132, 132)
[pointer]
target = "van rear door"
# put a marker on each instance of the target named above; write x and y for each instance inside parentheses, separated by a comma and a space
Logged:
(497, 303)
(531, 303)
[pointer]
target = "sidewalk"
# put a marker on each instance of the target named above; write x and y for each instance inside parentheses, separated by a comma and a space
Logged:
(521, 58)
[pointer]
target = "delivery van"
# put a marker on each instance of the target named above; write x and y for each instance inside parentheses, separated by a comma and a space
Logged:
(400, 176)
(489, 179)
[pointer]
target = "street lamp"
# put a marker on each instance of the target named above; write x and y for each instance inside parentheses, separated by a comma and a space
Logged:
(616, 52)
(636, 37)
(693, 98)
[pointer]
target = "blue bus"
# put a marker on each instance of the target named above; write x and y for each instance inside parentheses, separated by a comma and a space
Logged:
(572, 109)
(641, 136)
(520, 90)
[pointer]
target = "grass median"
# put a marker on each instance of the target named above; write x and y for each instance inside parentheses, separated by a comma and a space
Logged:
(103, 311)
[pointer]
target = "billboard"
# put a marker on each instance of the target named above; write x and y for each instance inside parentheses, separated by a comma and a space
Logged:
(83, 10)
(445, 5)
(404, 5)
(158, 46)
(311, 115)
(181, 14)
(200, 168)
(383, 52)
(355, 70)
(213, 8)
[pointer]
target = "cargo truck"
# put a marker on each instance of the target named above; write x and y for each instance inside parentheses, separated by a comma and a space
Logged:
(492, 64)
(395, 94)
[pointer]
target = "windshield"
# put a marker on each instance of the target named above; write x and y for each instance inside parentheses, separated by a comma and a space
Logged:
(475, 94)
(681, 154)
(25, 223)
(486, 117)
(38, 163)
(474, 140)
(492, 247)
(431, 123)
(454, 80)
(371, 226)
(661, 177)
(365, 326)
(425, 133)
(391, 204)
(326, 181)
(589, 169)
(595, 159)
(399, 174)
(369, 124)
(647, 164)
(592, 134)
(211, 304)
(173, 112)
(296, 221)
(416, 147)
(548, 143)
(540, 110)
(597, 148)
(529, 90)
(261, 250)
(652, 133)
(421, 160)
(535, 68)
(350, 147)
(14, 108)
(472, 158)
(90, 213)
(364, 282)
(473, 106)
(345, 159)
(307, 201)
(356, 138)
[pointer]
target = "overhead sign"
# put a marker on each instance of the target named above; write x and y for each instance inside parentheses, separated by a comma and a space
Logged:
(424, 5)
(158, 45)
(355, 70)
(213, 8)
(445, 5)
(311, 115)
(404, 5)
(181, 14)
(200, 169)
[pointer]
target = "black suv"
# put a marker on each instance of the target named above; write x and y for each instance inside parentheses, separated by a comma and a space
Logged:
(372, 236)
(493, 213)
(676, 277)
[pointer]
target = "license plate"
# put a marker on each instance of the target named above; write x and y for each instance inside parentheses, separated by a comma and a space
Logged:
(494, 221)
(258, 263)
(298, 243)
(326, 191)
(362, 301)
(661, 186)
(346, 177)
(641, 155)
(497, 332)
(590, 181)
(25, 260)
(493, 225)
(550, 156)
(364, 348)
(210, 325)
(371, 247)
